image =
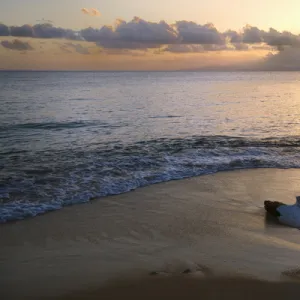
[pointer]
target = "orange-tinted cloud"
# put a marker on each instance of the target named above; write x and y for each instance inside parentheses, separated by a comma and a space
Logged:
(94, 12)
(85, 11)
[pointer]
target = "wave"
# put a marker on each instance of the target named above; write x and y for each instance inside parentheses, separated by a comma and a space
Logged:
(34, 183)
(57, 125)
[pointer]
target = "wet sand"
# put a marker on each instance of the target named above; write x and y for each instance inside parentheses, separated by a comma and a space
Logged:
(192, 288)
(214, 222)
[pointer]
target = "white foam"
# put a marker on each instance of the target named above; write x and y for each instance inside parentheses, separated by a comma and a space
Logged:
(97, 178)
(290, 214)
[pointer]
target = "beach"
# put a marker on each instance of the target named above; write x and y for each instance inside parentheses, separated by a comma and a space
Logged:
(191, 288)
(201, 227)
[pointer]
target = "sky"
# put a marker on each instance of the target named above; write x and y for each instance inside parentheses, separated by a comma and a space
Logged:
(225, 14)
(138, 40)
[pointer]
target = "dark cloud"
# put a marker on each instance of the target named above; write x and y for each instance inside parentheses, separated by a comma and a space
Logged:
(4, 30)
(22, 31)
(16, 45)
(44, 31)
(252, 35)
(95, 35)
(234, 36)
(140, 34)
(136, 34)
(141, 31)
(48, 31)
(275, 38)
(193, 33)
(286, 60)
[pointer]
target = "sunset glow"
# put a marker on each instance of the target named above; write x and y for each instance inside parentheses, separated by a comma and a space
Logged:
(152, 35)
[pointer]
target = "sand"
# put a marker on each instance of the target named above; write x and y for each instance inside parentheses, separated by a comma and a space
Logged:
(213, 225)
(192, 288)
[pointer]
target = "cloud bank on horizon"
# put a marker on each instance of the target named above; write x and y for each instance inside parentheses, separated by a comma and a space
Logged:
(179, 38)
(142, 34)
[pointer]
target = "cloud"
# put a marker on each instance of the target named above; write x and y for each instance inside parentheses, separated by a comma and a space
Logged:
(261, 46)
(286, 60)
(78, 48)
(179, 48)
(252, 35)
(136, 34)
(193, 33)
(139, 34)
(4, 30)
(16, 45)
(139, 30)
(94, 35)
(241, 46)
(85, 11)
(94, 12)
(275, 38)
(44, 31)
(22, 31)
(117, 44)
(234, 36)
(214, 47)
(184, 48)
(48, 31)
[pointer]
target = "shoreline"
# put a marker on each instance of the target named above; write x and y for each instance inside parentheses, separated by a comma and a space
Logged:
(214, 221)
(91, 200)
(180, 287)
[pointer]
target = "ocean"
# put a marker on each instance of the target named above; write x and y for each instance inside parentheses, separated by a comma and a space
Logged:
(70, 137)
